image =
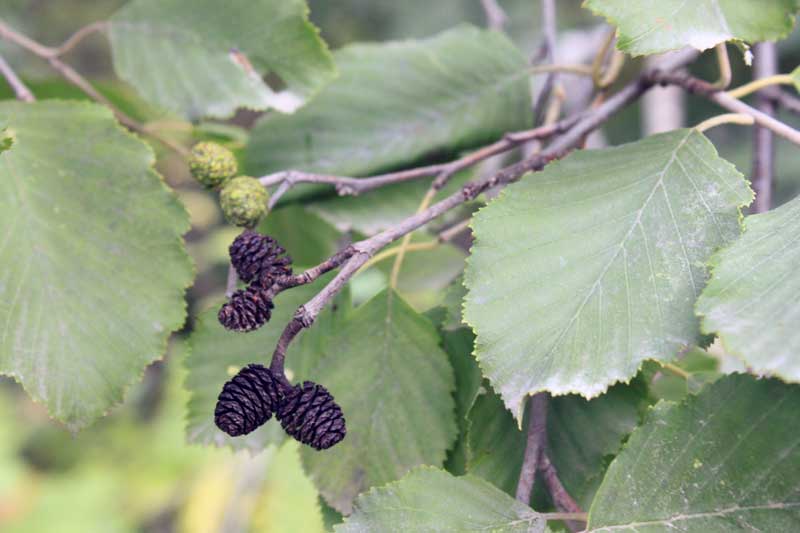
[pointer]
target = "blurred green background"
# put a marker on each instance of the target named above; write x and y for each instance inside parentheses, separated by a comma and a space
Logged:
(133, 470)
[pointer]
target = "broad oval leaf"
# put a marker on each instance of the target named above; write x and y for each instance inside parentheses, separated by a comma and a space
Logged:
(94, 268)
(428, 499)
(751, 299)
(188, 57)
(726, 460)
(385, 368)
(654, 26)
(396, 102)
(217, 355)
(581, 272)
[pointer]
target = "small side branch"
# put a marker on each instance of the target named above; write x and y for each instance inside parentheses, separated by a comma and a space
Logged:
(559, 495)
(534, 445)
(765, 66)
(496, 18)
(20, 89)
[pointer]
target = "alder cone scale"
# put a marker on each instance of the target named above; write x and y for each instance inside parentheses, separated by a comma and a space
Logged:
(309, 414)
(258, 258)
(247, 401)
(247, 310)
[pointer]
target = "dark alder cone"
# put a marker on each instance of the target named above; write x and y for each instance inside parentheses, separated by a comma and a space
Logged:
(257, 258)
(247, 309)
(247, 401)
(309, 414)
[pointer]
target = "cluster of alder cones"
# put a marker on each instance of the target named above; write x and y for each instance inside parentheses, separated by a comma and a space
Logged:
(307, 412)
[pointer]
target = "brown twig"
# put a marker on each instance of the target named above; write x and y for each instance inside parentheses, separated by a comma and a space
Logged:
(550, 34)
(558, 493)
(349, 186)
(765, 65)
(71, 75)
(534, 445)
(20, 89)
(496, 18)
(785, 100)
(355, 255)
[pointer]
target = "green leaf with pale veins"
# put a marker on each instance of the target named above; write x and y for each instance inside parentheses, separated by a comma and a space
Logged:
(94, 268)
(428, 499)
(581, 272)
(654, 26)
(725, 460)
(202, 58)
(218, 354)
(751, 299)
(393, 381)
(396, 102)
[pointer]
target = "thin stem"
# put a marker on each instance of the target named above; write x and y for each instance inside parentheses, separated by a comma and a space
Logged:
(761, 118)
(21, 90)
(764, 68)
(762, 83)
(391, 252)
(786, 101)
(549, 41)
(675, 370)
(582, 517)
(47, 52)
(496, 18)
(612, 71)
(559, 494)
(724, 64)
(581, 70)
(534, 445)
(600, 58)
(401, 253)
(726, 118)
(79, 36)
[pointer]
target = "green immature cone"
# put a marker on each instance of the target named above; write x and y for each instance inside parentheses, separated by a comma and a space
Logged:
(212, 164)
(244, 201)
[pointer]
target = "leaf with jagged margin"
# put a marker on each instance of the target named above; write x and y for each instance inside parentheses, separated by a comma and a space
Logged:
(725, 460)
(218, 354)
(397, 102)
(458, 345)
(84, 307)
(583, 271)
(655, 26)
(429, 499)
(751, 299)
(394, 383)
(187, 57)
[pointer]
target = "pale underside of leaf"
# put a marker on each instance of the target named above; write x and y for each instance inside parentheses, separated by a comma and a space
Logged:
(386, 370)
(751, 299)
(83, 305)
(581, 272)
(654, 26)
(726, 460)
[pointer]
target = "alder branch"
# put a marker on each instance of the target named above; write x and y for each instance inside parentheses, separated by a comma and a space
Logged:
(534, 445)
(765, 65)
(496, 18)
(71, 75)
(349, 186)
(354, 256)
(21, 90)
(785, 100)
(550, 35)
(558, 493)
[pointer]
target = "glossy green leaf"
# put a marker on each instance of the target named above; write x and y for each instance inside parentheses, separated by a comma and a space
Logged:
(198, 58)
(581, 272)
(726, 460)
(396, 102)
(751, 300)
(218, 354)
(428, 499)
(386, 370)
(654, 26)
(94, 269)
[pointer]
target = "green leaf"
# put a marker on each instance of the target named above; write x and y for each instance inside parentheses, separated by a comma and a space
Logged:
(218, 354)
(188, 57)
(581, 272)
(386, 370)
(453, 303)
(660, 25)
(726, 460)
(751, 300)
(397, 102)
(94, 269)
(458, 345)
(428, 499)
